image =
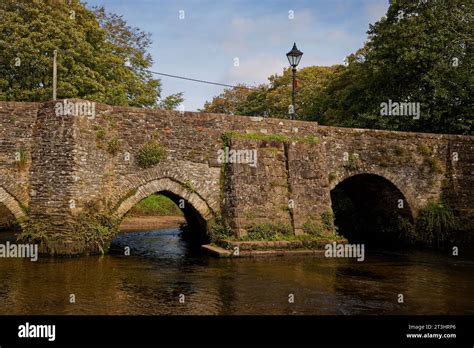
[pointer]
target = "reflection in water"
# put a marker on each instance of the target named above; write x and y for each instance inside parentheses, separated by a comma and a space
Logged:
(163, 266)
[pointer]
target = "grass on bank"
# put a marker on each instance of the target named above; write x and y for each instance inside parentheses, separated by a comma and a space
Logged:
(155, 205)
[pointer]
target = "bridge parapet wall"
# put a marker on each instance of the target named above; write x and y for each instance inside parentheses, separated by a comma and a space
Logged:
(74, 161)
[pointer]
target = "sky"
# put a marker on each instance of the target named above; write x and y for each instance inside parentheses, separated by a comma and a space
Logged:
(243, 41)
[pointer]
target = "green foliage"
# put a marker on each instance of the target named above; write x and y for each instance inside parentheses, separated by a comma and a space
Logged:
(325, 227)
(188, 184)
(96, 228)
(219, 230)
(310, 139)
(35, 233)
(313, 229)
(272, 99)
(23, 159)
(352, 162)
(420, 52)
(432, 162)
(114, 145)
(435, 165)
(100, 134)
(332, 176)
(93, 48)
(424, 150)
(171, 102)
(155, 205)
(327, 218)
(268, 231)
(225, 137)
(228, 101)
(409, 57)
(406, 229)
(151, 154)
(435, 223)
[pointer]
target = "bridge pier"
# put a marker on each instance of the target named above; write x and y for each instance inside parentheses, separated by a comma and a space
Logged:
(287, 187)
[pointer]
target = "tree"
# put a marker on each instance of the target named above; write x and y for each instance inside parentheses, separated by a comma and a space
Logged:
(420, 52)
(228, 101)
(273, 99)
(100, 57)
(171, 101)
(311, 84)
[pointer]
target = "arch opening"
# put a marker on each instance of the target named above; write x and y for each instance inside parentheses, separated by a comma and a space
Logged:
(12, 216)
(8, 221)
(165, 197)
(195, 227)
(370, 209)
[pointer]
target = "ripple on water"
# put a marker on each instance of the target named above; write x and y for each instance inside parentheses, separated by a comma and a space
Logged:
(162, 266)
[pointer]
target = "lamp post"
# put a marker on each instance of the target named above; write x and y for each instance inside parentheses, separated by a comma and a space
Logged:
(294, 57)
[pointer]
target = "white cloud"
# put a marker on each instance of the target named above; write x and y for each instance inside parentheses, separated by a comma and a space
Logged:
(276, 29)
(255, 70)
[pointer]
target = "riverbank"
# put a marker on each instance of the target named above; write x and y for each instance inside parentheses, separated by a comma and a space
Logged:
(143, 223)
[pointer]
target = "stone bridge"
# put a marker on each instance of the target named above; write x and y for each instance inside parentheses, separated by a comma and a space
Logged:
(54, 167)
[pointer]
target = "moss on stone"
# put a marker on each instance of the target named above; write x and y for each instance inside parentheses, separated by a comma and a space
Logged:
(310, 139)
(114, 146)
(268, 231)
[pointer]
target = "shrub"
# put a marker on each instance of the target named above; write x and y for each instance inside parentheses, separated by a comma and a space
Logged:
(151, 154)
(22, 159)
(114, 146)
(424, 149)
(435, 166)
(100, 134)
(188, 184)
(313, 229)
(327, 219)
(353, 162)
(96, 227)
(435, 223)
(219, 230)
(268, 231)
(34, 233)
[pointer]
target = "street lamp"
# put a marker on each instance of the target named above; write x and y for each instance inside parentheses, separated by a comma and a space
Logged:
(294, 57)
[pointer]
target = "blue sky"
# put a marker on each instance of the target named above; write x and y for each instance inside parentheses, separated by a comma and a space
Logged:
(213, 33)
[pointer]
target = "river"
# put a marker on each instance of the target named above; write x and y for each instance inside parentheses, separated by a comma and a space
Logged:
(162, 266)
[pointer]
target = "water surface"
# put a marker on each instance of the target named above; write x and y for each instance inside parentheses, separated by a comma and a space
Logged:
(163, 266)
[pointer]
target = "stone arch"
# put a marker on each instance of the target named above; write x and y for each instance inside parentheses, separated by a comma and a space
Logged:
(13, 206)
(392, 178)
(367, 210)
(165, 185)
